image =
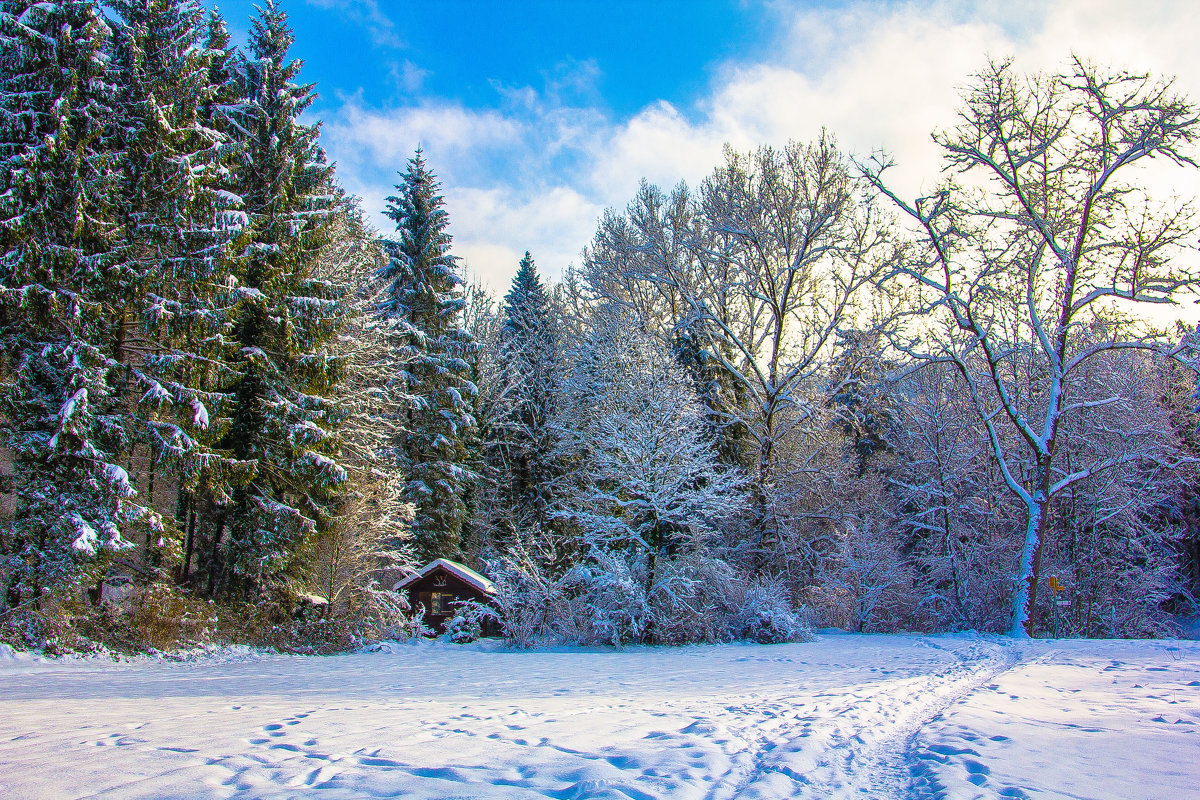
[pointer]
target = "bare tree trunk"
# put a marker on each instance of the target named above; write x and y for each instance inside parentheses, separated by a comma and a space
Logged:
(1029, 568)
(186, 566)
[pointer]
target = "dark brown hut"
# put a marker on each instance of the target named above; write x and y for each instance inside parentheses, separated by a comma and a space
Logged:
(439, 585)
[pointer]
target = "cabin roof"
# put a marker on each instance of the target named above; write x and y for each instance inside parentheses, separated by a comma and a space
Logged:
(461, 571)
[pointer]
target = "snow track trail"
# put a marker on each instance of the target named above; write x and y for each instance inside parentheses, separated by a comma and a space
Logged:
(882, 717)
(866, 738)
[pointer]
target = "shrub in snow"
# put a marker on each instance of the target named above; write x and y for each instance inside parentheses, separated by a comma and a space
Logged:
(469, 621)
(461, 630)
(605, 600)
(384, 614)
(164, 618)
(766, 616)
(694, 601)
(600, 601)
(617, 611)
(524, 597)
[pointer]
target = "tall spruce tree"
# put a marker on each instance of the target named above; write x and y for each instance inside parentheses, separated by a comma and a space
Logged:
(522, 444)
(57, 235)
(722, 397)
(204, 493)
(422, 305)
(179, 220)
(284, 413)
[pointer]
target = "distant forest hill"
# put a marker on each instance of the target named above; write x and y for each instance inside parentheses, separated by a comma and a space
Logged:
(786, 398)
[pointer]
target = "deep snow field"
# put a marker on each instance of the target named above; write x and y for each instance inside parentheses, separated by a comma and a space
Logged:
(847, 716)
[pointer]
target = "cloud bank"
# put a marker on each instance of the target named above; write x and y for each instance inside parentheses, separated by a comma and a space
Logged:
(535, 172)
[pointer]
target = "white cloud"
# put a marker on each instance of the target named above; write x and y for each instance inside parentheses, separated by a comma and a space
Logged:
(493, 227)
(368, 15)
(407, 76)
(536, 173)
(452, 132)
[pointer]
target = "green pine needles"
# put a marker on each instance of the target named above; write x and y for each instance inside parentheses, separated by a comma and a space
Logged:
(422, 306)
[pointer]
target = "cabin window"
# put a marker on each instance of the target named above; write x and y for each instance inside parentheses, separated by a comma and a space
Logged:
(441, 602)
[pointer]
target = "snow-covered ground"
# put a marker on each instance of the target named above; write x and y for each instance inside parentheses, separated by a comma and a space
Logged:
(843, 717)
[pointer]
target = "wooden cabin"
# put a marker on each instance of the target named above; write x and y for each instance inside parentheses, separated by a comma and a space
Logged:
(439, 585)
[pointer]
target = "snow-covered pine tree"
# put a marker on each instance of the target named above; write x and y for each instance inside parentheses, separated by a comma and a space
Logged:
(859, 396)
(520, 450)
(57, 230)
(204, 494)
(170, 291)
(284, 414)
(422, 304)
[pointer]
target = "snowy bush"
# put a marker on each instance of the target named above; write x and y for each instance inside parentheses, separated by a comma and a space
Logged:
(469, 622)
(385, 614)
(524, 596)
(605, 600)
(617, 611)
(166, 618)
(50, 626)
(461, 630)
(766, 616)
(694, 601)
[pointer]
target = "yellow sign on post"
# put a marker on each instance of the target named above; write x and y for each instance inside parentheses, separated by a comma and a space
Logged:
(1057, 587)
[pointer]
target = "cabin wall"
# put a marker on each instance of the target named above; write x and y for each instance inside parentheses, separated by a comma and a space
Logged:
(422, 591)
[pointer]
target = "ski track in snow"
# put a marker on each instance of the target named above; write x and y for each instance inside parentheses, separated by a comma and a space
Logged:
(881, 717)
(866, 746)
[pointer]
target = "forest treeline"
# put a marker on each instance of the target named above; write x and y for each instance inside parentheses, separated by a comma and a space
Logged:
(783, 398)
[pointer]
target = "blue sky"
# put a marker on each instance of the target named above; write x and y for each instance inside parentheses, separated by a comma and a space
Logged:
(619, 55)
(537, 115)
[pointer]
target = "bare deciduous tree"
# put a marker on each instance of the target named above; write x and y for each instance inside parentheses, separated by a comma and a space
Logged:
(766, 263)
(1051, 237)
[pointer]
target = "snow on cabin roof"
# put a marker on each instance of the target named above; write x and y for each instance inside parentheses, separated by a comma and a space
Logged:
(465, 573)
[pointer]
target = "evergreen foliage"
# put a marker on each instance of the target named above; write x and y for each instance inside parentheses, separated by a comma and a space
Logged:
(284, 415)
(865, 413)
(721, 395)
(179, 221)
(522, 444)
(422, 304)
(58, 229)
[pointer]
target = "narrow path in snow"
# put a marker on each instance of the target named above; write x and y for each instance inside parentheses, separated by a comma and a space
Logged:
(866, 740)
(893, 765)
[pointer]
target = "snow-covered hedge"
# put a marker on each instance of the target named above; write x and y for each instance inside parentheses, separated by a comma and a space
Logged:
(767, 617)
(606, 600)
